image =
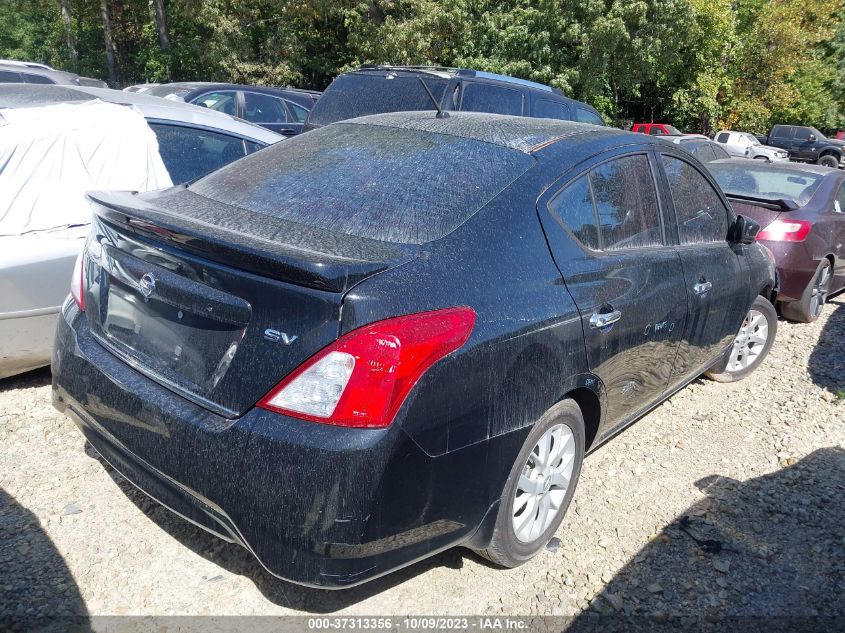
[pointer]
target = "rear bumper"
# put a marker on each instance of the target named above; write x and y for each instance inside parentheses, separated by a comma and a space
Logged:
(794, 266)
(317, 505)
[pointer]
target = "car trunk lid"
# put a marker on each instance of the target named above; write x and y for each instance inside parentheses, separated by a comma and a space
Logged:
(217, 305)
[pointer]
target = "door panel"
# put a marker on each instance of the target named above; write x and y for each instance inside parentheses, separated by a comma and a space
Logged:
(715, 272)
(606, 233)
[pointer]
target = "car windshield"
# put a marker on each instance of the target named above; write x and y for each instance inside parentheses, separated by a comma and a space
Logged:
(370, 181)
(768, 182)
(363, 93)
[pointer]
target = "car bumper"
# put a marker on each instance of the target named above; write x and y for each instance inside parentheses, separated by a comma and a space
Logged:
(795, 268)
(317, 505)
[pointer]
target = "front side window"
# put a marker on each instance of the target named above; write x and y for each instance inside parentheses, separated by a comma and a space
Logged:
(189, 153)
(36, 79)
(225, 101)
(626, 202)
(839, 202)
(299, 113)
(488, 98)
(260, 108)
(718, 152)
(657, 131)
(573, 209)
(802, 134)
(701, 215)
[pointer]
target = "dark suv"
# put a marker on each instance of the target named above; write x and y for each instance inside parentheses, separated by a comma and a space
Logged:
(381, 89)
(807, 145)
(402, 333)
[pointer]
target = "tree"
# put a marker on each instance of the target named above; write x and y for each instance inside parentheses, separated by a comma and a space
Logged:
(109, 42)
(70, 38)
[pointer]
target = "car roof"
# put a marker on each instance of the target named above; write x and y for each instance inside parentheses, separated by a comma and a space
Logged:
(448, 71)
(27, 95)
(525, 134)
(185, 87)
(782, 166)
(59, 76)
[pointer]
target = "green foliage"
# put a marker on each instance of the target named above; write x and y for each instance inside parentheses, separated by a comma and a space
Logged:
(700, 64)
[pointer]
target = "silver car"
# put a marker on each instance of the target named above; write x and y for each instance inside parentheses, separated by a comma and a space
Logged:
(35, 267)
(745, 145)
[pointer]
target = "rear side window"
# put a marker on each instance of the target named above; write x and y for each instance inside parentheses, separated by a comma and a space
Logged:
(189, 153)
(260, 108)
(546, 109)
(586, 116)
(781, 131)
(626, 202)
(370, 181)
(573, 209)
(839, 202)
(723, 137)
(8, 77)
(701, 215)
(488, 98)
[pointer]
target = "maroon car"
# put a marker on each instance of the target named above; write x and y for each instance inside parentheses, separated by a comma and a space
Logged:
(802, 211)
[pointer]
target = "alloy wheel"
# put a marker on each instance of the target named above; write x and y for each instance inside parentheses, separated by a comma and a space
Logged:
(543, 483)
(749, 341)
(821, 287)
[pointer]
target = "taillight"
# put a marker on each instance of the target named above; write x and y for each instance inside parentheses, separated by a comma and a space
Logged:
(786, 231)
(77, 282)
(363, 378)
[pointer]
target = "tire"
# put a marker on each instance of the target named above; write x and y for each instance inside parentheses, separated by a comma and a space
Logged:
(829, 160)
(751, 345)
(509, 546)
(811, 304)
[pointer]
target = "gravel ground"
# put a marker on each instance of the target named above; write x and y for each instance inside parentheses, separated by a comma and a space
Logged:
(758, 467)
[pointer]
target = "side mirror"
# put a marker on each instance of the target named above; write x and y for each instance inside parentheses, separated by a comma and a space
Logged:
(812, 138)
(745, 230)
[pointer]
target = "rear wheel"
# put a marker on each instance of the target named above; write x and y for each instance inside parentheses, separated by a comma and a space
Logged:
(811, 304)
(751, 345)
(765, 158)
(829, 160)
(540, 486)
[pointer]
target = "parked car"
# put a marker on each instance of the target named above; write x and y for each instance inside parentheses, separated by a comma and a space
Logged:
(802, 210)
(402, 333)
(43, 178)
(745, 145)
(33, 73)
(282, 110)
(699, 146)
(656, 129)
(808, 145)
(383, 89)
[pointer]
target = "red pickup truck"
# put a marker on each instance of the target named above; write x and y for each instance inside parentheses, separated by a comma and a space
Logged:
(656, 129)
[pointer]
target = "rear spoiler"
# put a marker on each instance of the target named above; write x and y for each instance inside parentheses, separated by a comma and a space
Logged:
(780, 204)
(260, 244)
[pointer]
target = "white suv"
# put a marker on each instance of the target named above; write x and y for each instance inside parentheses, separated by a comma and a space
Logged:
(745, 145)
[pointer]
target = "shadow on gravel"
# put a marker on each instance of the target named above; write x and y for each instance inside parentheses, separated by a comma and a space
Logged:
(35, 378)
(236, 560)
(37, 590)
(762, 554)
(827, 362)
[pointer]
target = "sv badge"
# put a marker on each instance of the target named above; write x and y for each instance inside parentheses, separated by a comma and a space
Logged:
(279, 337)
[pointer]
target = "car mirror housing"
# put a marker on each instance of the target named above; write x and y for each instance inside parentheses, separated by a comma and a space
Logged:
(812, 137)
(745, 230)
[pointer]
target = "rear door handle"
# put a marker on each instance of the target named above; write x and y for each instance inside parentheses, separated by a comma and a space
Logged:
(600, 320)
(702, 287)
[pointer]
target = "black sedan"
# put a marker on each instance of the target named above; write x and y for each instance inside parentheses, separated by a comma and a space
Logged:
(402, 333)
(282, 110)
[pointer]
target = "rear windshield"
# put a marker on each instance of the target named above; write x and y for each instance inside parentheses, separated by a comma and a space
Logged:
(370, 181)
(766, 182)
(360, 94)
